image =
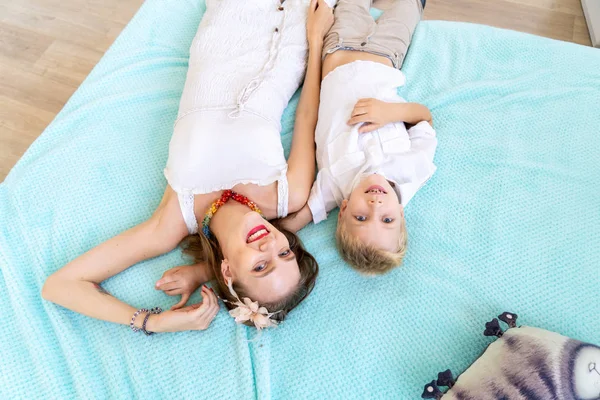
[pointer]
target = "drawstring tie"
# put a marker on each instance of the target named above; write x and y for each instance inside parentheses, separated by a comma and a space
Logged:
(245, 96)
(257, 81)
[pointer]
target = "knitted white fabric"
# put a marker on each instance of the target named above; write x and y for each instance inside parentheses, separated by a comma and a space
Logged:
(246, 61)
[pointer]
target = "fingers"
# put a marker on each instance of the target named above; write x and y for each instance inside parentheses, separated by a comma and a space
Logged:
(359, 111)
(208, 310)
(188, 308)
(184, 298)
(364, 102)
(206, 319)
(211, 310)
(171, 285)
(206, 299)
(313, 5)
(369, 127)
(158, 283)
(212, 314)
(211, 297)
(193, 307)
(166, 278)
(362, 107)
(174, 292)
(359, 118)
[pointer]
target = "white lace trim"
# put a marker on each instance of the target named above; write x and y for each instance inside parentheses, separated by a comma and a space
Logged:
(234, 108)
(186, 203)
(282, 196)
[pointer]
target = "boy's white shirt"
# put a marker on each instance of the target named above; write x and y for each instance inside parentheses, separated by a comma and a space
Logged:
(345, 156)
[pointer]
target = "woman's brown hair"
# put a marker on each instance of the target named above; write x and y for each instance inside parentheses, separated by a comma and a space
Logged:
(205, 250)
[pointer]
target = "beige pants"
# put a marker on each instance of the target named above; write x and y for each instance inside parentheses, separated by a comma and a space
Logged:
(355, 29)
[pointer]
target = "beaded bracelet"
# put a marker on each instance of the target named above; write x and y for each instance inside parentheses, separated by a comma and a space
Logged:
(135, 315)
(155, 310)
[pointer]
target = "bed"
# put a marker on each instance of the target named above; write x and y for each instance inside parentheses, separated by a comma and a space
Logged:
(510, 221)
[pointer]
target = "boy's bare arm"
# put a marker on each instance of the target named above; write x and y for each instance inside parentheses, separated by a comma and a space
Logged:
(376, 113)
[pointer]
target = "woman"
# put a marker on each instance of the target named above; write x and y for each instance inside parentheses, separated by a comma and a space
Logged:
(246, 61)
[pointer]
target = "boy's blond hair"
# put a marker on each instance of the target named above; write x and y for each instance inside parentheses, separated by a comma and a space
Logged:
(365, 258)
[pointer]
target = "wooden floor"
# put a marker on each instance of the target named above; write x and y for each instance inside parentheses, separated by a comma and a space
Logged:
(47, 48)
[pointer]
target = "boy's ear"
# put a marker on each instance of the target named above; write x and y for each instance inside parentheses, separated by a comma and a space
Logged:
(401, 210)
(343, 206)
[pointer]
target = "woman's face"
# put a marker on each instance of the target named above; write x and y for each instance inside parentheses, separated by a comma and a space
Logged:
(258, 257)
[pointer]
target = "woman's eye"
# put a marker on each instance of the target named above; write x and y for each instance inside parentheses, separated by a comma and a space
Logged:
(285, 253)
(260, 267)
(388, 220)
(360, 218)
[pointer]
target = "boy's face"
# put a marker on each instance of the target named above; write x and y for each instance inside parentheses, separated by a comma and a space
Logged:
(373, 213)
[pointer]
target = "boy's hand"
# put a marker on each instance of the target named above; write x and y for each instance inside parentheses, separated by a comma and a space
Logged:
(320, 20)
(373, 113)
(376, 113)
(183, 280)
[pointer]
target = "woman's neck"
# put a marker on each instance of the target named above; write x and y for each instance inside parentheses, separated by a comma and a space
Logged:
(226, 219)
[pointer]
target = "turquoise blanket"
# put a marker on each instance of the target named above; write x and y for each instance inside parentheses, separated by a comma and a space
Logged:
(511, 221)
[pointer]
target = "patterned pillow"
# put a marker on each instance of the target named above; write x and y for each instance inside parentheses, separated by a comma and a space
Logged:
(525, 363)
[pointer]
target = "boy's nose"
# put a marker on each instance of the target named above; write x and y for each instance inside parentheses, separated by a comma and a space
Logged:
(375, 202)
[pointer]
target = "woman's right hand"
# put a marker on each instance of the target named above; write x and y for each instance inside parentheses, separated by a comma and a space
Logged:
(196, 317)
(183, 280)
(320, 20)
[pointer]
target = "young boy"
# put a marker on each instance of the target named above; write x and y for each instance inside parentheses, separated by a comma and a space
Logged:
(370, 165)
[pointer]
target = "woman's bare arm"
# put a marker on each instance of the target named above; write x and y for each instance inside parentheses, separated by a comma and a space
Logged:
(301, 162)
(298, 220)
(76, 286)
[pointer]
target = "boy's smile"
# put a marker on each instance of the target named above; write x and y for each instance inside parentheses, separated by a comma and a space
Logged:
(376, 189)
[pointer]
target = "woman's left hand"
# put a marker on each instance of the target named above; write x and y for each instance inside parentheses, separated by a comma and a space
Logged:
(196, 317)
(320, 20)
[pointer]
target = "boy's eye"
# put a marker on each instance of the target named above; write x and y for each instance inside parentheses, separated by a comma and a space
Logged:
(388, 220)
(284, 254)
(360, 218)
(260, 267)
